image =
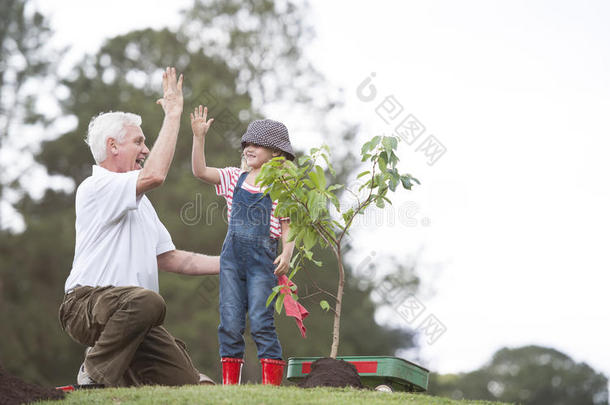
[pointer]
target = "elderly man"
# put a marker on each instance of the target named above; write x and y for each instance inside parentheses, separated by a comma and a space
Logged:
(112, 302)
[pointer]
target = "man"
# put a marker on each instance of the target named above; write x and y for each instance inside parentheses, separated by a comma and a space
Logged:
(112, 303)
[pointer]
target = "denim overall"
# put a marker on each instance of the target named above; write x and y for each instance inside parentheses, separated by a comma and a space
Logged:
(246, 277)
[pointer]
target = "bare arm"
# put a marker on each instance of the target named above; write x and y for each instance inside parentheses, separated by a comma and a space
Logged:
(200, 127)
(157, 165)
(189, 263)
(283, 260)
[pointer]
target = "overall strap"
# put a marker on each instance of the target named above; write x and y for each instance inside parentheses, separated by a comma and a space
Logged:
(241, 180)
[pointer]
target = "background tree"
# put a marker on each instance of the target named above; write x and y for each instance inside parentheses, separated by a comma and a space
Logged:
(124, 75)
(529, 375)
(25, 71)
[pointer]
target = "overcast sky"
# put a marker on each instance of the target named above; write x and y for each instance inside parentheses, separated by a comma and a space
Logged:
(511, 221)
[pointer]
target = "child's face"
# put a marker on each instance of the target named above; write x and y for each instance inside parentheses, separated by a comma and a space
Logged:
(256, 155)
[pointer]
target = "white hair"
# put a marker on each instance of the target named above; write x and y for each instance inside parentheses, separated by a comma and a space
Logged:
(108, 125)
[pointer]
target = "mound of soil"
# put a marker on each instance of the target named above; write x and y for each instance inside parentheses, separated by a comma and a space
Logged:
(16, 391)
(327, 372)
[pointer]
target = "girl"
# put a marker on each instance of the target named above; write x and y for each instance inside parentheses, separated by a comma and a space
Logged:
(247, 273)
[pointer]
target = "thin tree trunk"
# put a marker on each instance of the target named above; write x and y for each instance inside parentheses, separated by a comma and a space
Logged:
(337, 322)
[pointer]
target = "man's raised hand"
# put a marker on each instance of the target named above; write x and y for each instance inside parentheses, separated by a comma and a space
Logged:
(172, 100)
(199, 122)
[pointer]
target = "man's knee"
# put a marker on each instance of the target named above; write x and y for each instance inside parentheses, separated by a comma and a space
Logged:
(150, 306)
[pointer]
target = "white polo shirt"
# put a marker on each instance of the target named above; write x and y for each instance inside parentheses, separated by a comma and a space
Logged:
(118, 236)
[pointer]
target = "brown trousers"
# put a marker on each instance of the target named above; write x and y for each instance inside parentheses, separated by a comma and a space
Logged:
(129, 345)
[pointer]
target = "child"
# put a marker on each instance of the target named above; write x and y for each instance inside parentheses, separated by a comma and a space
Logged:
(247, 273)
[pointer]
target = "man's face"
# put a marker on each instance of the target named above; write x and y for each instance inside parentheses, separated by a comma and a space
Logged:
(130, 154)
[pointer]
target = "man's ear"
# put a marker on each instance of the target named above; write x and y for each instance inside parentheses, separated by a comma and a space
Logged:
(111, 144)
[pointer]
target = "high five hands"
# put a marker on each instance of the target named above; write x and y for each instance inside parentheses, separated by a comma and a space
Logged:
(172, 100)
(199, 122)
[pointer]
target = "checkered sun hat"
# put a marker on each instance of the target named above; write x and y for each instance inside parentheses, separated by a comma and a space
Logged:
(270, 134)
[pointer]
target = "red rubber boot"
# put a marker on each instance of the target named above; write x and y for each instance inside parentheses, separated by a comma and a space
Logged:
(231, 370)
(273, 371)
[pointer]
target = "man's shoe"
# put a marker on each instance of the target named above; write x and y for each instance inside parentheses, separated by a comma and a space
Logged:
(83, 378)
(205, 380)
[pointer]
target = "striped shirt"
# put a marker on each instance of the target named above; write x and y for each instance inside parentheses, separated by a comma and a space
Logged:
(228, 179)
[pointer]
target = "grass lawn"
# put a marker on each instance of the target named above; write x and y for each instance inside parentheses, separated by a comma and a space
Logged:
(251, 394)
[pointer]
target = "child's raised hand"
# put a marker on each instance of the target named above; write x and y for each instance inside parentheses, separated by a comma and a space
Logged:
(283, 265)
(199, 122)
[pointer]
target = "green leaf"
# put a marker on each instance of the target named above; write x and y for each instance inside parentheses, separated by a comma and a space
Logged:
(291, 169)
(387, 143)
(348, 214)
(384, 155)
(309, 183)
(303, 159)
(383, 189)
(310, 239)
(271, 297)
(383, 165)
(316, 203)
(393, 183)
(378, 180)
(367, 146)
(321, 177)
(363, 174)
(338, 224)
(274, 194)
(393, 159)
(367, 184)
(300, 236)
(335, 201)
(315, 179)
(406, 183)
(295, 257)
(330, 167)
(293, 272)
(325, 306)
(278, 303)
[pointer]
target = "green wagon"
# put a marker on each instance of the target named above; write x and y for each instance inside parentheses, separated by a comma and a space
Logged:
(396, 373)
